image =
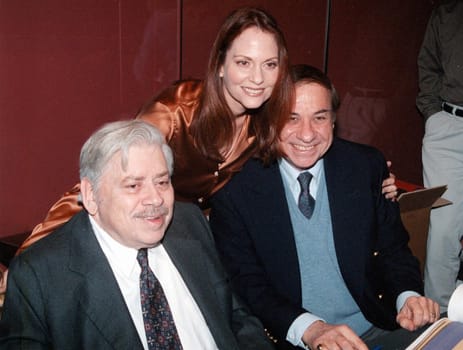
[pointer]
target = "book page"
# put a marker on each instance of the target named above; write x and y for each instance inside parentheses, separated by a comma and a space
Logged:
(455, 309)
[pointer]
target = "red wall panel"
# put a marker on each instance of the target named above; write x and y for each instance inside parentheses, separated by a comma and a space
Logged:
(66, 67)
(372, 62)
(302, 22)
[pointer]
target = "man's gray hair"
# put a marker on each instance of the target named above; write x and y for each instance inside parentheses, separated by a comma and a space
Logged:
(117, 137)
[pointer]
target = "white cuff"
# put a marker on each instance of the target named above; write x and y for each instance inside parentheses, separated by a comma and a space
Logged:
(298, 327)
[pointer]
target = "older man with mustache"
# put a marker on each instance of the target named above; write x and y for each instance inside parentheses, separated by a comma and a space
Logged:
(129, 272)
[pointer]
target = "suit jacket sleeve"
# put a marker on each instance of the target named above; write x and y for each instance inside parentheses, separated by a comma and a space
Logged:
(399, 268)
(30, 330)
(383, 265)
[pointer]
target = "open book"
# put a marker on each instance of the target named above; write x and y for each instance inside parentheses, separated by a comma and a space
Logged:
(442, 335)
(447, 333)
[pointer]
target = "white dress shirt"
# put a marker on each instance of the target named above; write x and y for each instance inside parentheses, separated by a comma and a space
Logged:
(191, 326)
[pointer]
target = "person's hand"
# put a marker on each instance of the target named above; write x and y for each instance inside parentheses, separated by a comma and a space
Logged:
(323, 336)
(389, 188)
(416, 312)
(3, 276)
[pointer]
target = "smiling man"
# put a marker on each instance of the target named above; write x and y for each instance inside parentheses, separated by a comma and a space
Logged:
(129, 272)
(311, 244)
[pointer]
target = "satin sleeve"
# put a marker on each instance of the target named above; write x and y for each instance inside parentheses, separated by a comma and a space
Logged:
(161, 117)
(66, 207)
(174, 108)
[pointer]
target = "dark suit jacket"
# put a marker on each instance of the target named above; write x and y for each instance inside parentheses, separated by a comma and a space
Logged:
(62, 293)
(252, 226)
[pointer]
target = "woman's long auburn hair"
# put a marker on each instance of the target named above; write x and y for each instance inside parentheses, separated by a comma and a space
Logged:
(212, 127)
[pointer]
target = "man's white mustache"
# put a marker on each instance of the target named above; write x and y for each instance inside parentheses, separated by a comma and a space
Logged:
(153, 212)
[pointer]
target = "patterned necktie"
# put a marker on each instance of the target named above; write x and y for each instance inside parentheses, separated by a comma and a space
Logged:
(306, 202)
(160, 329)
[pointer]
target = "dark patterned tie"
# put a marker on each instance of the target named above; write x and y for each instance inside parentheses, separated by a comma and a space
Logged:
(306, 202)
(160, 329)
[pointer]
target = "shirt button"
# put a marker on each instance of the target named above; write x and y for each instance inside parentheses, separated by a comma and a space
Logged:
(380, 296)
(216, 173)
(200, 200)
(376, 253)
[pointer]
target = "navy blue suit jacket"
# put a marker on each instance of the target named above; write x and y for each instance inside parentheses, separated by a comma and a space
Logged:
(251, 223)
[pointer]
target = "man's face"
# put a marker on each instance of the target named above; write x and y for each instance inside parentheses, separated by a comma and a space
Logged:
(309, 131)
(134, 205)
(250, 70)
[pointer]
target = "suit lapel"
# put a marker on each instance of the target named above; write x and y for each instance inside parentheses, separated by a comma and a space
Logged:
(270, 214)
(188, 257)
(99, 293)
(344, 200)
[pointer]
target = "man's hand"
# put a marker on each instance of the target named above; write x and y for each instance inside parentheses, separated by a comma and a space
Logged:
(324, 336)
(389, 187)
(416, 312)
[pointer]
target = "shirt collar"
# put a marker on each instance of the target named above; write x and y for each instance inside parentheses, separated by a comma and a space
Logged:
(290, 174)
(123, 258)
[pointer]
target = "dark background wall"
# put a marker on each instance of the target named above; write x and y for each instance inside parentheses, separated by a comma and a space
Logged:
(66, 67)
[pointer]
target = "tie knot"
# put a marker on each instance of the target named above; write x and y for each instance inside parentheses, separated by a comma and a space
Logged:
(142, 257)
(304, 180)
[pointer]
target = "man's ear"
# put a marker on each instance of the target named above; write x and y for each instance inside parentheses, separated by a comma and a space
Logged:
(88, 196)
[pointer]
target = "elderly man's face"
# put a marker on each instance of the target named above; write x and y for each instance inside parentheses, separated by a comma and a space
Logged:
(309, 131)
(134, 205)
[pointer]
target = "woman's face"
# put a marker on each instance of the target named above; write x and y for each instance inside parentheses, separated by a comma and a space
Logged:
(250, 70)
